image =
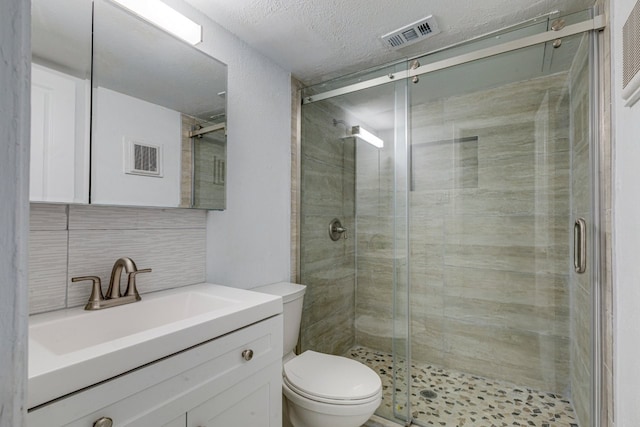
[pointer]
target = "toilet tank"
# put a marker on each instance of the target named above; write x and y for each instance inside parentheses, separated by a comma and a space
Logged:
(292, 298)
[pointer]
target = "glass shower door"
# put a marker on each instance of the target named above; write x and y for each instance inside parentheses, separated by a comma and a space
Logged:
(500, 169)
(458, 278)
(357, 286)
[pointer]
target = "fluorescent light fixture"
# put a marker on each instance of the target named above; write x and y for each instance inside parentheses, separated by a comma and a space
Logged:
(166, 18)
(365, 135)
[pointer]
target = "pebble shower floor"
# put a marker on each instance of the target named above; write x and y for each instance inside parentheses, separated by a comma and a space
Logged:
(465, 400)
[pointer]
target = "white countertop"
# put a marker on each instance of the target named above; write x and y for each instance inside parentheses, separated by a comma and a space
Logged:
(74, 348)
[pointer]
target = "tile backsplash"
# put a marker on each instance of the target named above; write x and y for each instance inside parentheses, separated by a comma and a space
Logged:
(66, 241)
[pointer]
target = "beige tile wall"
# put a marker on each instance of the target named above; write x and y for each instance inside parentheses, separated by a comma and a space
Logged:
(327, 267)
(69, 241)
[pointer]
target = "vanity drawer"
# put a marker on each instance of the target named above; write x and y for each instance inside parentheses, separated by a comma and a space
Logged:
(159, 393)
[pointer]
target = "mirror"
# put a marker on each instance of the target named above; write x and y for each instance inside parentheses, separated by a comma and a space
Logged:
(154, 111)
(150, 91)
(60, 100)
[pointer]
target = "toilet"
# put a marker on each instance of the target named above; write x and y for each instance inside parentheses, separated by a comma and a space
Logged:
(319, 389)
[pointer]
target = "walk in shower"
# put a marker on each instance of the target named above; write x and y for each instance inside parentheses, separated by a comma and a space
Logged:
(467, 270)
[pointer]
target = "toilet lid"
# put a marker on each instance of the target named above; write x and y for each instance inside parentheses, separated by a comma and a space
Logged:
(331, 377)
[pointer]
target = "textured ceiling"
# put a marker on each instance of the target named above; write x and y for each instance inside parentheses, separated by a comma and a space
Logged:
(320, 39)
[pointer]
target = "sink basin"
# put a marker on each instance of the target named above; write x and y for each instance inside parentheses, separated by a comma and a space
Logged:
(73, 349)
(83, 329)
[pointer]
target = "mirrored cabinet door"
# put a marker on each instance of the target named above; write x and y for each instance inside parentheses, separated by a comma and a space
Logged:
(60, 101)
(159, 123)
(142, 122)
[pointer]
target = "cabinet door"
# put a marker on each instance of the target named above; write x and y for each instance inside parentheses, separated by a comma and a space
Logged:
(254, 402)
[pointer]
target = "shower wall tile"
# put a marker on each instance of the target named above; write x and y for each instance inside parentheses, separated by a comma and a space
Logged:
(550, 320)
(327, 184)
(535, 360)
(511, 100)
(509, 202)
(333, 292)
(506, 231)
(171, 241)
(526, 172)
(334, 335)
(507, 287)
(431, 204)
(374, 329)
(581, 194)
(325, 141)
(427, 339)
(325, 252)
(528, 259)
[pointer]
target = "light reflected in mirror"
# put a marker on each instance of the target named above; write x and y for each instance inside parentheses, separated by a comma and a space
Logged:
(159, 117)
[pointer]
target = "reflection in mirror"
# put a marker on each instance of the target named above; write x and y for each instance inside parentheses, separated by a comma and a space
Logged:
(60, 100)
(204, 151)
(159, 117)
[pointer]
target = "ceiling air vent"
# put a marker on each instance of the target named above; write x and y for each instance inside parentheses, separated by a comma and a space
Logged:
(411, 33)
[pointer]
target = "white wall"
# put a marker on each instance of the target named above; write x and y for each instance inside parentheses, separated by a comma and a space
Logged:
(248, 244)
(15, 57)
(626, 228)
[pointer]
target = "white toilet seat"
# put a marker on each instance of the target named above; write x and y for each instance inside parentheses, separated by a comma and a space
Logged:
(376, 396)
(338, 410)
(331, 379)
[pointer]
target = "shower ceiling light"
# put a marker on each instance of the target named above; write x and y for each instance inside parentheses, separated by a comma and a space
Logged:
(165, 17)
(365, 135)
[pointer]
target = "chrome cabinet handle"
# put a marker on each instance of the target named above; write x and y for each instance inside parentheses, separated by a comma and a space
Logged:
(580, 246)
(103, 422)
(247, 354)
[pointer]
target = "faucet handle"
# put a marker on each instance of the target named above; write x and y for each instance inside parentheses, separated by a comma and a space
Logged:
(96, 291)
(131, 283)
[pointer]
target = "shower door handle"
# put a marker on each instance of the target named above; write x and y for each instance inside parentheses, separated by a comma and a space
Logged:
(580, 246)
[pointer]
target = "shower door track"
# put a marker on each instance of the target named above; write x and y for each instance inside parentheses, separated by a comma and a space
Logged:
(596, 23)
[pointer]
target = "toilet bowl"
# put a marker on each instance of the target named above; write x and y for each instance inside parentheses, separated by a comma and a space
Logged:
(326, 390)
(319, 389)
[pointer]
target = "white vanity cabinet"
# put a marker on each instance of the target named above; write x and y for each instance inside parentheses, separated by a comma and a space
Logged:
(235, 379)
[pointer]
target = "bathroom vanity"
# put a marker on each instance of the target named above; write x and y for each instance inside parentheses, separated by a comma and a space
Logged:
(215, 360)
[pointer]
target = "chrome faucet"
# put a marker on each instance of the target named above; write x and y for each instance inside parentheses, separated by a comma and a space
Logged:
(114, 297)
